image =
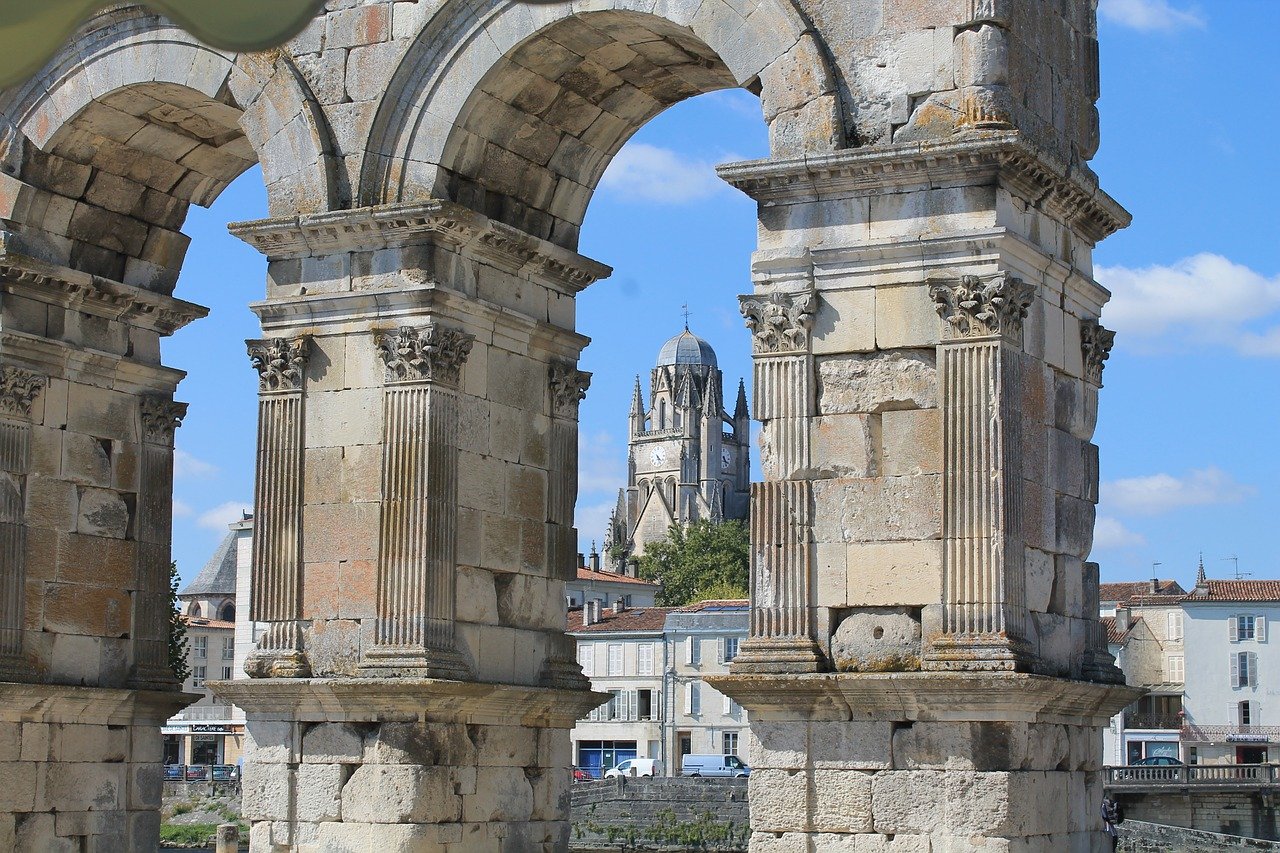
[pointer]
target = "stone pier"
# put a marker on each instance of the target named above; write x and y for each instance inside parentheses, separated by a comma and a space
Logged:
(925, 669)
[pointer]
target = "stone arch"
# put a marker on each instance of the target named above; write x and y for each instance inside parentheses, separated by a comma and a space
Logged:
(516, 109)
(116, 137)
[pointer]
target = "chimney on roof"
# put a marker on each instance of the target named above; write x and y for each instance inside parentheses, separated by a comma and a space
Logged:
(619, 605)
(582, 559)
(1122, 618)
(595, 558)
(590, 612)
(1155, 586)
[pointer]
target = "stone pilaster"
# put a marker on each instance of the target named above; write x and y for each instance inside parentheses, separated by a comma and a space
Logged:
(417, 566)
(782, 632)
(160, 416)
(276, 598)
(18, 390)
(984, 615)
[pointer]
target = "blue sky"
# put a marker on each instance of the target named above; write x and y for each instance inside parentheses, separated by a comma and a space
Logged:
(1191, 406)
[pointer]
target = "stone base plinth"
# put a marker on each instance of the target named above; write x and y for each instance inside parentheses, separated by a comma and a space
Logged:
(406, 764)
(80, 767)
(937, 762)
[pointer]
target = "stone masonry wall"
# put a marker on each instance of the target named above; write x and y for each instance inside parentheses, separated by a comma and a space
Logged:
(623, 802)
(1250, 814)
(1142, 837)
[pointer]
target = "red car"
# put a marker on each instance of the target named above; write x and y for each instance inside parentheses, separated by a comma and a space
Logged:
(580, 775)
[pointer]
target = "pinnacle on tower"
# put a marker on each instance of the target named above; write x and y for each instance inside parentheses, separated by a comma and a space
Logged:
(1200, 579)
(740, 410)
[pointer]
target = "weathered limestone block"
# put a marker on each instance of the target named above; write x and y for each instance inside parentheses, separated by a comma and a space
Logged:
(877, 640)
(876, 383)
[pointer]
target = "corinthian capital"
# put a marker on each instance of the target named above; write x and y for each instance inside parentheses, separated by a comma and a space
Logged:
(779, 322)
(430, 353)
(280, 362)
(568, 388)
(982, 306)
(1095, 344)
(18, 390)
(160, 417)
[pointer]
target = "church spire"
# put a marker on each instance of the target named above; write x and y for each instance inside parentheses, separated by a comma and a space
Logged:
(637, 409)
(740, 410)
(711, 405)
(1200, 579)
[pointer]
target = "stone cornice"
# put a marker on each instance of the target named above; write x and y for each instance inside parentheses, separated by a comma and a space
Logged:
(926, 696)
(1067, 194)
(34, 279)
(57, 703)
(434, 221)
(406, 700)
(65, 361)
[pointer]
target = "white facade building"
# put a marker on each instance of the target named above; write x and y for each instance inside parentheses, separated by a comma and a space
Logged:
(702, 640)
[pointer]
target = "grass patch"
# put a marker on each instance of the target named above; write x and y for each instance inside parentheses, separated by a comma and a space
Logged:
(190, 833)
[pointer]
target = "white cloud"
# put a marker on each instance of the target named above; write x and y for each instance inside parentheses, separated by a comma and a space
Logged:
(648, 173)
(1111, 533)
(181, 509)
(1148, 15)
(1203, 299)
(223, 514)
(1161, 493)
(186, 466)
(602, 463)
(592, 521)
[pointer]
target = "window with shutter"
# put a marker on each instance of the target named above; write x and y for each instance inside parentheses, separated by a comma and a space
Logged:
(586, 657)
(688, 699)
(694, 655)
(615, 658)
(728, 706)
(1260, 628)
(696, 701)
(1175, 671)
(1253, 669)
(1231, 630)
(1235, 669)
(644, 665)
(1175, 625)
(720, 650)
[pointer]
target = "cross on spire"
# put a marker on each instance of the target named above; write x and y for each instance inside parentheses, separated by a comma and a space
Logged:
(685, 310)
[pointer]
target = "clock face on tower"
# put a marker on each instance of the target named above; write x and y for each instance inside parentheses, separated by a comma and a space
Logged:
(726, 459)
(658, 455)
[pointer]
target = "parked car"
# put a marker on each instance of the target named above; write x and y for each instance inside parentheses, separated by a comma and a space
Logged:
(174, 772)
(224, 772)
(1157, 761)
(196, 772)
(713, 765)
(1153, 768)
(634, 767)
(580, 775)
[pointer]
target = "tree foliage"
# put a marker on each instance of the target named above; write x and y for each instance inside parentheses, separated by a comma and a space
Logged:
(177, 630)
(698, 561)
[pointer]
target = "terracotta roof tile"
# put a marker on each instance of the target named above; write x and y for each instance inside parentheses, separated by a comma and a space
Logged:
(1115, 636)
(709, 604)
(1260, 590)
(631, 620)
(586, 574)
(201, 622)
(1122, 592)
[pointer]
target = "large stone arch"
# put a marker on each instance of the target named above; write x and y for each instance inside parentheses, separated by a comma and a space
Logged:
(515, 109)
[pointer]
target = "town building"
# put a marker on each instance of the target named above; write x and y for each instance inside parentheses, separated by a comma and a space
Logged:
(652, 661)
(609, 585)
(211, 731)
(688, 459)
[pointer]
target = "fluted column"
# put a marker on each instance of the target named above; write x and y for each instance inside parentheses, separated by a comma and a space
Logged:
(781, 634)
(276, 593)
(417, 566)
(160, 416)
(984, 587)
(568, 387)
(18, 390)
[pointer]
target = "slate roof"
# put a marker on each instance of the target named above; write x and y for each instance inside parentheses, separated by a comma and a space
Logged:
(634, 620)
(218, 577)
(1235, 591)
(687, 348)
(586, 574)
(1122, 592)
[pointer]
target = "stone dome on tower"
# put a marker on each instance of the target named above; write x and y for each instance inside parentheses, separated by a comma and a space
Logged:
(687, 348)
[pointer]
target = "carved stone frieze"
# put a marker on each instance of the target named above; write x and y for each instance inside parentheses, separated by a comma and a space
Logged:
(982, 306)
(1096, 341)
(430, 353)
(18, 390)
(281, 362)
(779, 322)
(160, 417)
(568, 388)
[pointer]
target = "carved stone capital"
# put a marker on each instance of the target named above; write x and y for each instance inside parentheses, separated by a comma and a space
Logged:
(568, 388)
(18, 390)
(430, 353)
(779, 322)
(160, 417)
(281, 362)
(982, 306)
(1095, 344)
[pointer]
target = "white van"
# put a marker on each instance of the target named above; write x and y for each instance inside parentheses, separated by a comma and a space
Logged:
(713, 765)
(635, 767)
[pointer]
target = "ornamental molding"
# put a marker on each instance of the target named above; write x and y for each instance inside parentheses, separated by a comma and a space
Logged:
(1096, 341)
(430, 353)
(976, 157)
(442, 222)
(161, 416)
(779, 322)
(568, 388)
(973, 306)
(78, 291)
(281, 362)
(18, 390)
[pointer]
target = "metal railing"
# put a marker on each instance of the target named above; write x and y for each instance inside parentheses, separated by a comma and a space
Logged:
(1191, 775)
(1133, 720)
(205, 713)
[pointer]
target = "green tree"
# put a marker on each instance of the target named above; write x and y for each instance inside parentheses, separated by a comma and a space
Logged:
(177, 630)
(699, 561)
